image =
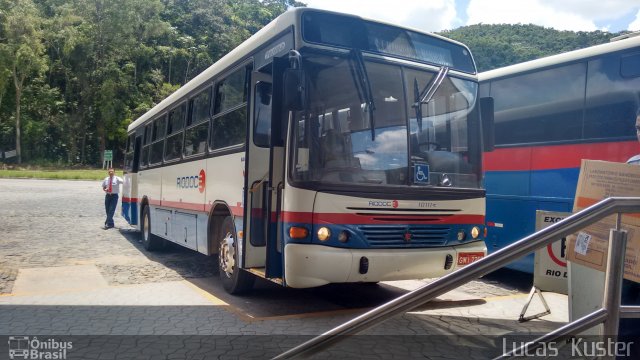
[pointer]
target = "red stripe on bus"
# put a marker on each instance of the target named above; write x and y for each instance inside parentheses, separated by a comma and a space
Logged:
(237, 210)
(297, 217)
(557, 156)
(182, 205)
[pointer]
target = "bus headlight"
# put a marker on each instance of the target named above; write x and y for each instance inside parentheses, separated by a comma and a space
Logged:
(324, 234)
(475, 232)
(343, 237)
(461, 235)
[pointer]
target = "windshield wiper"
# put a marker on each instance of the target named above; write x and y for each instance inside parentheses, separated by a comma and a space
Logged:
(365, 85)
(427, 93)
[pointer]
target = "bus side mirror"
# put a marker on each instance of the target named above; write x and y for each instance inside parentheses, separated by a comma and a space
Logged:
(487, 120)
(293, 90)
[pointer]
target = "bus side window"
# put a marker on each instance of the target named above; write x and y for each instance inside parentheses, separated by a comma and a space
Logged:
(196, 134)
(262, 111)
(146, 141)
(612, 98)
(157, 137)
(540, 107)
(229, 124)
(128, 153)
(630, 66)
(173, 146)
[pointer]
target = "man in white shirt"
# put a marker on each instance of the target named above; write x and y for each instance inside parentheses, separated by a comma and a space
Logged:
(111, 187)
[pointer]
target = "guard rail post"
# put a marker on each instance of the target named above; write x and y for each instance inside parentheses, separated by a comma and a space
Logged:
(613, 284)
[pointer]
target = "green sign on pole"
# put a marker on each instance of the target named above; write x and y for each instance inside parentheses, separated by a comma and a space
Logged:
(108, 155)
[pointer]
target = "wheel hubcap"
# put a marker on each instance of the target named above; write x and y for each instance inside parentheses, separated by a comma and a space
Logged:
(227, 255)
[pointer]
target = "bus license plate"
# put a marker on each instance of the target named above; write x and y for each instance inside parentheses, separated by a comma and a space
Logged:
(467, 258)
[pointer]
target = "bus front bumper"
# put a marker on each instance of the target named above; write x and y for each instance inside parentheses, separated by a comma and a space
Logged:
(316, 265)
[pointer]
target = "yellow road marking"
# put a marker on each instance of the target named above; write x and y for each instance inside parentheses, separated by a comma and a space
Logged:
(216, 301)
(207, 295)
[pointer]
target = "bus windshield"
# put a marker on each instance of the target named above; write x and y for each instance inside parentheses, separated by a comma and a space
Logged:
(408, 144)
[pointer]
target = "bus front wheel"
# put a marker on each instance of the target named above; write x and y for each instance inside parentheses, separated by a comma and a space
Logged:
(149, 241)
(234, 280)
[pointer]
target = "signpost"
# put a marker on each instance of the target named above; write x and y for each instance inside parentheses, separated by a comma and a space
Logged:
(550, 266)
(107, 159)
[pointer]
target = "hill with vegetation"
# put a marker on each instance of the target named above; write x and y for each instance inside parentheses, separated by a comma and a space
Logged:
(495, 46)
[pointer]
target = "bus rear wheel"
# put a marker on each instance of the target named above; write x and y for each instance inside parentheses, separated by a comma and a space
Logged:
(234, 280)
(149, 241)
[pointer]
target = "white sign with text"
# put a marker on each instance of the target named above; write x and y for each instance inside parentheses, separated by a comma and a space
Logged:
(550, 269)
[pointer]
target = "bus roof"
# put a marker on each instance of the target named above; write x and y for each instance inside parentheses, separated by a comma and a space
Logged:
(275, 27)
(560, 58)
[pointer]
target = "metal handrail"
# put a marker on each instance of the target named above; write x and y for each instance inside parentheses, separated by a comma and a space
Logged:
(416, 298)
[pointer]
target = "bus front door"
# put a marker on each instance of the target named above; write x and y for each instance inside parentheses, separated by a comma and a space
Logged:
(260, 211)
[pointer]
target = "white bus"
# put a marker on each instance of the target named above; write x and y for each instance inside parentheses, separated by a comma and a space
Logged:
(324, 149)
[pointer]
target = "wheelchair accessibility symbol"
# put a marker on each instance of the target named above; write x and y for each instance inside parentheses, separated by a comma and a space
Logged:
(421, 173)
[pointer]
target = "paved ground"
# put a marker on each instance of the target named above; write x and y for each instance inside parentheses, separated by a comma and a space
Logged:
(63, 277)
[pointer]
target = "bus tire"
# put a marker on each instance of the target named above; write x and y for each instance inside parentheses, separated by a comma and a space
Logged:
(149, 241)
(234, 280)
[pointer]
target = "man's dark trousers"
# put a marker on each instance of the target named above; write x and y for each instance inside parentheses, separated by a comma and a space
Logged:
(110, 203)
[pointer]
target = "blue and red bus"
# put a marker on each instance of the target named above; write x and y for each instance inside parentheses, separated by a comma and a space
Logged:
(550, 114)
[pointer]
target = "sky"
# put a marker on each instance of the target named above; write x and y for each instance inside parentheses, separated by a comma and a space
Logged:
(437, 15)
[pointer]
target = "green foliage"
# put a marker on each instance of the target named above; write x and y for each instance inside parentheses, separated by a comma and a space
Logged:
(75, 73)
(495, 46)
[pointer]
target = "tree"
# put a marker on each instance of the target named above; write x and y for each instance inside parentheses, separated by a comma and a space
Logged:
(5, 74)
(24, 49)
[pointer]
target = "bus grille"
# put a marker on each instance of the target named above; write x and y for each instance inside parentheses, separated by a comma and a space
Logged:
(395, 236)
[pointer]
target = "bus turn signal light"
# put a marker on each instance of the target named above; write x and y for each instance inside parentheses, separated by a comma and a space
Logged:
(296, 232)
